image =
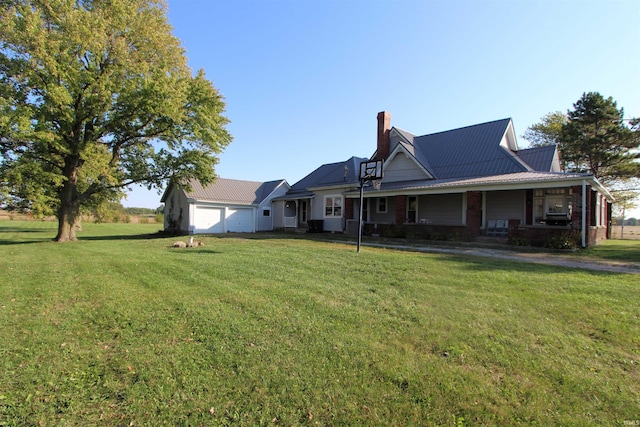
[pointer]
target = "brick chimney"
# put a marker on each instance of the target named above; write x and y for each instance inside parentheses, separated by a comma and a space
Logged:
(384, 125)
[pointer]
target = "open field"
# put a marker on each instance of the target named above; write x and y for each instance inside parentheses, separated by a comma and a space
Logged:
(121, 329)
(630, 232)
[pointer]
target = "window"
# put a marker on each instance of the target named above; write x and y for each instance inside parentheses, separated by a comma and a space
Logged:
(333, 206)
(551, 202)
(365, 210)
(266, 212)
(601, 209)
(382, 205)
(412, 209)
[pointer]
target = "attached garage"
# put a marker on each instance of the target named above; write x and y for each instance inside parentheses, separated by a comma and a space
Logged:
(211, 220)
(225, 206)
(208, 220)
(240, 220)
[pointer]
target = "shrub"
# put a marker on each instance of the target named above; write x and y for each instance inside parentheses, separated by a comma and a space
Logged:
(395, 231)
(518, 241)
(566, 240)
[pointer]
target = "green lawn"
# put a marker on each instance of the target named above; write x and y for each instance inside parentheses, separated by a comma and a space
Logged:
(615, 250)
(120, 329)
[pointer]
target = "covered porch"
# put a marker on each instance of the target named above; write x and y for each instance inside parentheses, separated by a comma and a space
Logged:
(295, 214)
(530, 216)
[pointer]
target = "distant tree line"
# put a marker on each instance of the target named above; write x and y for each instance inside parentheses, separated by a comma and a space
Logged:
(627, 221)
(115, 212)
(144, 211)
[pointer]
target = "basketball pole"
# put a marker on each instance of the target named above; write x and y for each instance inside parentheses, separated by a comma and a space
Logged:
(368, 171)
(360, 215)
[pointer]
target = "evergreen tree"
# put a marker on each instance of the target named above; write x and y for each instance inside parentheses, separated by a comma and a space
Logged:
(596, 140)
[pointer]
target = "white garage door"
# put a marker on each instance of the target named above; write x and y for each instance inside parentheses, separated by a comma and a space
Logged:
(208, 220)
(240, 220)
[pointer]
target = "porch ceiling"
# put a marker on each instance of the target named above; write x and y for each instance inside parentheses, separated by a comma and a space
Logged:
(514, 181)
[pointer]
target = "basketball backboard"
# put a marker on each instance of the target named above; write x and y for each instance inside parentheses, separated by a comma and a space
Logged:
(371, 170)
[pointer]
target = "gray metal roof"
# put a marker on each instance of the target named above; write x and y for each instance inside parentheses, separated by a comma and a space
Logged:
(464, 157)
(539, 158)
(512, 178)
(232, 191)
(468, 152)
(331, 174)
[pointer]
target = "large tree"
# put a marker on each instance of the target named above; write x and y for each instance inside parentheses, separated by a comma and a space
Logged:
(597, 140)
(96, 95)
(548, 131)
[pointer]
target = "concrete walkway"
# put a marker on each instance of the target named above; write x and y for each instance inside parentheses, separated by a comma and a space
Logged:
(532, 257)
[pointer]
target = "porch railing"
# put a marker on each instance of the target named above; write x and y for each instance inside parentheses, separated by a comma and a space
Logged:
(290, 222)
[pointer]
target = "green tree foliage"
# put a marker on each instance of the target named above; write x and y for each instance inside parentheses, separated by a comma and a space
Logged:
(108, 212)
(548, 131)
(96, 95)
(595, 139)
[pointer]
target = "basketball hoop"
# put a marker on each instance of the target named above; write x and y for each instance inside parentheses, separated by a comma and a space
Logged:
(371, 171)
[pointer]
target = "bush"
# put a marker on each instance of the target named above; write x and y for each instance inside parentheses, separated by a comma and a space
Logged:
(395, 232)
(518, 241)
(566, 240)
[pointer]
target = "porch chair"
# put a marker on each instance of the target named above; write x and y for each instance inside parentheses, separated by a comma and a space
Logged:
(491, 227)
(502, 227)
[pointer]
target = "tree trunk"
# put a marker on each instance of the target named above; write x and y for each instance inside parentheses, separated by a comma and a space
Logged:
(69, 210)
(67, 219)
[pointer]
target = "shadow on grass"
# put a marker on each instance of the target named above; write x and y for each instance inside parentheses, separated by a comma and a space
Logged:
(22, 242)
(20, 230)
(149, 236)
(80, 238)
(194, 251)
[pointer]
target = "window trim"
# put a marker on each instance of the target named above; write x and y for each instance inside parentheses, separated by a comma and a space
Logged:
(543, 198)
(333, 208)
(386, 205)
(415, 220)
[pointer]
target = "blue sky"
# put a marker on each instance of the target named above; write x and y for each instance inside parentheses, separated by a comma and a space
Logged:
(303, 80)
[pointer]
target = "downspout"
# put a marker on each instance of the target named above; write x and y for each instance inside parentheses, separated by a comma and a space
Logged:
(584, 214)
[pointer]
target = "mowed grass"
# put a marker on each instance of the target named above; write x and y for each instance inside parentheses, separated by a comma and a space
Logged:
(275, 330)
(615, 250)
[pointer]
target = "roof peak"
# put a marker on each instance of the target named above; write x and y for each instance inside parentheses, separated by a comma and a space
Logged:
(508, 119)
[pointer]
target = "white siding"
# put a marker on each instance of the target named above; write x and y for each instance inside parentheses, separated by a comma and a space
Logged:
(317, 210)
(402, 168)
(277, 213)
(267, 223)
(264, 223)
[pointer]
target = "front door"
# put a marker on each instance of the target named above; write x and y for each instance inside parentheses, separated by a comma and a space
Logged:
(303, 211)
(412, 209)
